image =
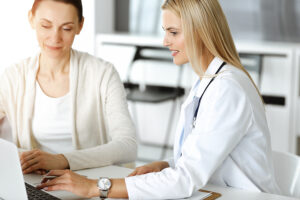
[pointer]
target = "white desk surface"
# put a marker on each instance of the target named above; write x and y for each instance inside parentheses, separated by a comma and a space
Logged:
(119, 172)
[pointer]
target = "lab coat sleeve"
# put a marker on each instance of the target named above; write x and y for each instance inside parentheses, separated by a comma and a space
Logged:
(170, 161)
(224, 116)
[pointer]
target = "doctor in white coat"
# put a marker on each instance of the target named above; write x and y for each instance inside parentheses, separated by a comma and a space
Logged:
(222, 136)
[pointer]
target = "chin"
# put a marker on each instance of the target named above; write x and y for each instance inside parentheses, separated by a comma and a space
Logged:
(54, 53)
(179, 61)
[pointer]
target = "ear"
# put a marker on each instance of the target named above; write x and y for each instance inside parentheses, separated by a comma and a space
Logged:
(31, 19)
(80, 26)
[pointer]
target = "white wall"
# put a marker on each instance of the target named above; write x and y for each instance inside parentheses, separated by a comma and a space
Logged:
(105, 16)
(86, 40)
(16, 37)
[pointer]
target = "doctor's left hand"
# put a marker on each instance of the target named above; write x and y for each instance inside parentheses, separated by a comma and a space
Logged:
(37, 160)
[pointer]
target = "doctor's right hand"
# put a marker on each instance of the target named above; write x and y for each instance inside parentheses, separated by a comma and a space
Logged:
(151, 167)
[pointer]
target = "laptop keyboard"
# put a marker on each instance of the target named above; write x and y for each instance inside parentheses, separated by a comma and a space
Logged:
(35, 194)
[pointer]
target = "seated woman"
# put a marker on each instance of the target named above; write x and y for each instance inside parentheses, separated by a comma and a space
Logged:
(222, 135)
(67, 107)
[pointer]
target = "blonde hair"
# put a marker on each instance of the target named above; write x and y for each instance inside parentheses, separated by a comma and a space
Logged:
(204, 22)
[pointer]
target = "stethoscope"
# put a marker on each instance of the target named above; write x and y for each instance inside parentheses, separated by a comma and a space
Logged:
(196, 112)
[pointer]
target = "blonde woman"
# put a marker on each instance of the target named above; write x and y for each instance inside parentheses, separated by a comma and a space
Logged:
(67, 109)
(222, 135)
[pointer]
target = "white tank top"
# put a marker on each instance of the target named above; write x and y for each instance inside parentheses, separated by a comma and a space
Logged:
(51, 124)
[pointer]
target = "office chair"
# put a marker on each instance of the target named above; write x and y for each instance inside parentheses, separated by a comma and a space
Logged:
(287, 173)
(153, 93)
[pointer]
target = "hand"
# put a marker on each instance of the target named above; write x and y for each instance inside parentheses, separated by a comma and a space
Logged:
(72, 182)
(37, 161)
(151, 167)
(41, 172)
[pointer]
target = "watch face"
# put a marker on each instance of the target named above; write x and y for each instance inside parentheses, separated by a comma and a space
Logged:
(104, 183)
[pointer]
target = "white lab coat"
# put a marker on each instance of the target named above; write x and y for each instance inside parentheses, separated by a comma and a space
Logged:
(229, 146)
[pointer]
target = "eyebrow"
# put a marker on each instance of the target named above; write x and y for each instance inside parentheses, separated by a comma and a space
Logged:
(170, 28)
(62, 24)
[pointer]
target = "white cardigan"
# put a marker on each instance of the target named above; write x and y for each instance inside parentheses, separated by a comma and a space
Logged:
(102, 130)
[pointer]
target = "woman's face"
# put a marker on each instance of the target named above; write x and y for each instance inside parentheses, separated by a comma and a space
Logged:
(56, 25)
(174, 38)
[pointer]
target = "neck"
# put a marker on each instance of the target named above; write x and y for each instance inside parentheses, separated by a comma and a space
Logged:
(52, 67)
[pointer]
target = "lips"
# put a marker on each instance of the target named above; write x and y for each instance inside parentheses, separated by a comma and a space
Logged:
(53, 47)
(174, 52)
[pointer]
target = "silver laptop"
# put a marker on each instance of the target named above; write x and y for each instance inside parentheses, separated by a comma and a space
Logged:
(12, 185)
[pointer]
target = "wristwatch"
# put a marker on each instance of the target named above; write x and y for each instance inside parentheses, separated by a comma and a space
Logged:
(104, 185)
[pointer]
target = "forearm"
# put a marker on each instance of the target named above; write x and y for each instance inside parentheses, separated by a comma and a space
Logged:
(63, 161)
(114, 152)
(118, 189)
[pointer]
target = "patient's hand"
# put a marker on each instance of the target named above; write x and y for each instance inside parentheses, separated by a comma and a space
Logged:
(151, 167)
(41, 171)
(37, 161)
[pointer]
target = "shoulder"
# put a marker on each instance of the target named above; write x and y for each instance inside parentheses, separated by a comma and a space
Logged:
(233, 78)
(88, 62)
(234, 85)
(20, 69)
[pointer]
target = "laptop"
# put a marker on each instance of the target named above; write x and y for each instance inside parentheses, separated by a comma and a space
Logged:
(12, 185)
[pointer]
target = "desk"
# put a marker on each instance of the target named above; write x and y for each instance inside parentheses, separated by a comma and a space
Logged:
(118, 172)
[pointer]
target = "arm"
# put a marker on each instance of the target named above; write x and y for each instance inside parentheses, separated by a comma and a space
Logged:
(80, 185)
(120, 132)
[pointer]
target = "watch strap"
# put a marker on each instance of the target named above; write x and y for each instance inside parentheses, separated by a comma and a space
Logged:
(103, 194)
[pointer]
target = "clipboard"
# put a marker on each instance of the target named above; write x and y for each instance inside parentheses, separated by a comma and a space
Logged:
(214, 195)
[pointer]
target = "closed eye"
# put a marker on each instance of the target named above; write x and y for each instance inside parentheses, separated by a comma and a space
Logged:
(67, 29)
(46, 27)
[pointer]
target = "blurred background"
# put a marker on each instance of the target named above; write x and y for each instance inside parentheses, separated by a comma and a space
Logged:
(128, 33)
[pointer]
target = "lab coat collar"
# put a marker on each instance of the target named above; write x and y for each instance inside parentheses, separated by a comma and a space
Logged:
(199, 85)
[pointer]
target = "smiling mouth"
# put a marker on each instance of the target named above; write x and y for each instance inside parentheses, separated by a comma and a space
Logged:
(174, 52)
(53, 47)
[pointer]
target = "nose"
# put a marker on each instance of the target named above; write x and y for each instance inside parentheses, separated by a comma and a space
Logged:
(56, 36)
(166, 41)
